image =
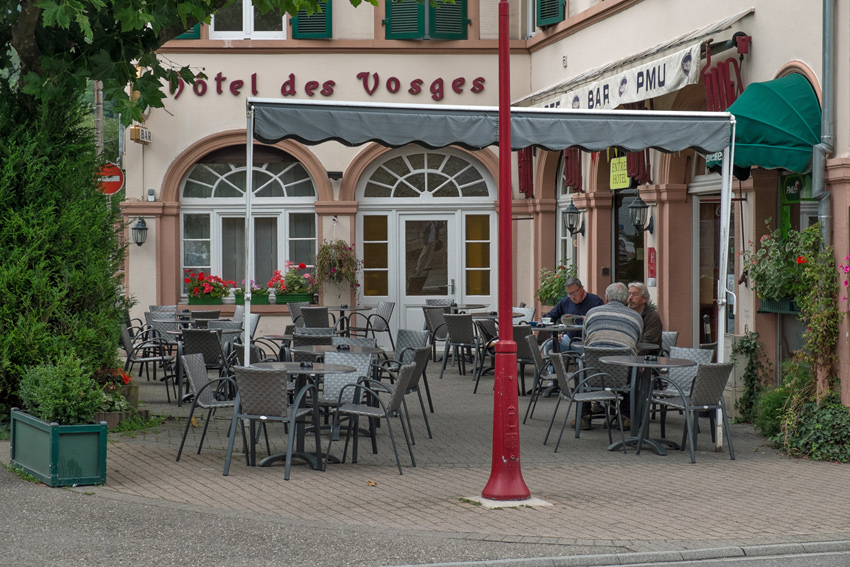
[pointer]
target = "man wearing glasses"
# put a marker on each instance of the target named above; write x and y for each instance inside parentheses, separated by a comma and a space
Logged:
(577, 303)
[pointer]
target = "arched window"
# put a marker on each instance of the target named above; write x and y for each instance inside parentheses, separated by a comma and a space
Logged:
(213, 213)
(426, 174)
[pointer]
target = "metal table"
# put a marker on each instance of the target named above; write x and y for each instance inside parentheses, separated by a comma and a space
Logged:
(302, 374)
(641, 393)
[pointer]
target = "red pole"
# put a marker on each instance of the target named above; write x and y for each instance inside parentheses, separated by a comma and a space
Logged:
(506, 481)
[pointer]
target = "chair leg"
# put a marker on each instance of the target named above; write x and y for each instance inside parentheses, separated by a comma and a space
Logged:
(231, 437)
(445, 360)
(427, 391)
(622, 434)
(692, 434)
(533, 398)
(204, 433)
(564, 426)
(552, 421)
(726, 428)
(392, 439)
(424, 413)
(407, 414)
(186, 432)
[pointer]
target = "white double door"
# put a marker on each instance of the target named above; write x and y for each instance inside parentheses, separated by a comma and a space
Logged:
(437, 256)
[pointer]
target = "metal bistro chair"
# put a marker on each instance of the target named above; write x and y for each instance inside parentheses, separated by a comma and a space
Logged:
(377, 322)
(541, 373)
(407, 341)
(378, 409)
(420, 357)
(208, 394)
(705, 394)
(680, 376)
(599, 387)
(435, 324)
(524, 353)
(317, 317)
(527, 314)
(295, 312)
(261, 395)
(462, 335)
(149, 353)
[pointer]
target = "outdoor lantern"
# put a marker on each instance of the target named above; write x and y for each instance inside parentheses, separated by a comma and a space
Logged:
(572, 218)
(638, 211)
(139, 230)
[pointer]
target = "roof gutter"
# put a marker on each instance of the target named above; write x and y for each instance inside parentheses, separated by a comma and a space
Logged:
(826, 145)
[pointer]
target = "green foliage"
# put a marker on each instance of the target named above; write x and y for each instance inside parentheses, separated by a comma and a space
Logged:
(774, 269)
(58, 46)
(820, 430)
(58, 243)
(755, 373)
(61, 392)
(550, 289)
(771, 411)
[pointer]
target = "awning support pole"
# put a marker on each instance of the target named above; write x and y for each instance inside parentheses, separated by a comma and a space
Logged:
(249, 234)
(725, 218)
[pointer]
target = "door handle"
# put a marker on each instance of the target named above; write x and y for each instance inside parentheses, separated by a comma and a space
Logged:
(452, 287)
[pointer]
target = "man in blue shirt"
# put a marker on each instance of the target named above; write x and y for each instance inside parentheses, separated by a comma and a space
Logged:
(577, 303)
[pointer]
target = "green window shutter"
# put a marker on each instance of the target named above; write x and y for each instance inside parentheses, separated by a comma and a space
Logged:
(550, 12)
(314, 26)
(194, 33)
(447, 20)
(405, 19)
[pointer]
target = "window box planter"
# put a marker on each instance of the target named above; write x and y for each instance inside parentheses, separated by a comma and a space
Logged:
(204, 300)
(58, 455)
(283, 298)
(785, 305)
(255, 299)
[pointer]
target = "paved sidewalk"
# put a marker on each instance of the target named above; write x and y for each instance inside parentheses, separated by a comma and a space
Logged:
(602, 502)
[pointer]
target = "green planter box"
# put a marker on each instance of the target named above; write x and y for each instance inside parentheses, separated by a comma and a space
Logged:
(255, 299)
(785, 305)
(293, 298)
(204, 300)
(58, 455)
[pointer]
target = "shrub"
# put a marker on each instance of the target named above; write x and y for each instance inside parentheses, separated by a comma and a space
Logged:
(820, 431)
(63, 392)
(58, 243)
(770, 411)
(550, 288)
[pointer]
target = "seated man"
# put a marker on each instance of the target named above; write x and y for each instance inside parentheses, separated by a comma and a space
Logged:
(638, 301)
(612, 325)
(577, 302)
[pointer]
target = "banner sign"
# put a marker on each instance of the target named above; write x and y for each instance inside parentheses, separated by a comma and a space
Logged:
(650, 80)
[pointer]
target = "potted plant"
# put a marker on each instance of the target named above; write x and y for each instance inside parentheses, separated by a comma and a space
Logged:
(119, 397)
(550, 289)
(337, 264)
(259, 295)
(55, 439)
(205, 289)
(776, 270)
(294, 285)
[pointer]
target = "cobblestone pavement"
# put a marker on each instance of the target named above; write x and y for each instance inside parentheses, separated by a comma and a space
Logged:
(601, 501)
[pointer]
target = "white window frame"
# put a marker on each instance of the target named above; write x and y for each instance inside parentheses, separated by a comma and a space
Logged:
(247, 31)
(218, 208)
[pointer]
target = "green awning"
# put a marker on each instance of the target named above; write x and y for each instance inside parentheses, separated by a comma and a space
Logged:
(778, 122)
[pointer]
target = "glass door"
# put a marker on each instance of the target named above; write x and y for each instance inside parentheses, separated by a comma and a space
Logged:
(428, 269)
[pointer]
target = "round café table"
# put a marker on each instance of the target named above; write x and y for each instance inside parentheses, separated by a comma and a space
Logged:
(302, 372)
(641, 393)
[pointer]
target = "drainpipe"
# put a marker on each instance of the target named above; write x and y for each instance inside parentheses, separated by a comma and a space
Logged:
(826, 145)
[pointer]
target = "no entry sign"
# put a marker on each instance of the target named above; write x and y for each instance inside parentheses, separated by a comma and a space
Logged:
(110, 179)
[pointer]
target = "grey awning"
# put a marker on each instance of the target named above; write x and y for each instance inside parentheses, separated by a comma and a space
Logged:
(437, 126)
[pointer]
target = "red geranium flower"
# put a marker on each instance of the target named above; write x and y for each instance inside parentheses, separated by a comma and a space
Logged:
(302, 265)
(801, 259)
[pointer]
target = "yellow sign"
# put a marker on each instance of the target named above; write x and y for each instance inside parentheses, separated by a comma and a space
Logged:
(619, 173)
